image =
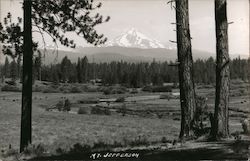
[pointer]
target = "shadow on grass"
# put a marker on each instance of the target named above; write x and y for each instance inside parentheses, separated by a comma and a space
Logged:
(237, 150)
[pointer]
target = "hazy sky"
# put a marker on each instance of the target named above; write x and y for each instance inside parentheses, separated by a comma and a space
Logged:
(154, 17)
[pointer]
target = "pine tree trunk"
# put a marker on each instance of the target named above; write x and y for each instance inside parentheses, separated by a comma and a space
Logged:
(27, 78)
(186, 83)
(221, 116)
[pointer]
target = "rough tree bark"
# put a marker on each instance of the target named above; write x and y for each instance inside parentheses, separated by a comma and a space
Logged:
(186, 82)
(27, 78)
(221, 115)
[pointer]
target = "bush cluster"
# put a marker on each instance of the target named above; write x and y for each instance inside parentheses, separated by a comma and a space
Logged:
(37, 88)
(51, 89)
(75, 89)
(157, 89)
(89, 101)
(114, 90)
(120, 99)
(123, 110)
(36, 150)
(82, 110)
(165, 96)
(100, 111)
(10, 88)
(11, 82)
(63, 105)
(245, 126)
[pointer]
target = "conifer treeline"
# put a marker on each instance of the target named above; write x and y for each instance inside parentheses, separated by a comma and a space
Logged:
(128, 74)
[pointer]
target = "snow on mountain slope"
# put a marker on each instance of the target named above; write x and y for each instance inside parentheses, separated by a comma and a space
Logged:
(135, 39)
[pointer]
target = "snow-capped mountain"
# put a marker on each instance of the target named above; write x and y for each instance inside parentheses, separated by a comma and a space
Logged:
(135, 39)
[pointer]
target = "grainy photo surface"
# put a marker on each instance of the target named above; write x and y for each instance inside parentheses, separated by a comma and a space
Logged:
(125, 80)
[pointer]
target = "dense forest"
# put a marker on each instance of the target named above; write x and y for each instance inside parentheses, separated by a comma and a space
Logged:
(125, 73)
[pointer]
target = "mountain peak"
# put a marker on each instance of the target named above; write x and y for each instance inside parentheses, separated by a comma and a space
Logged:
(135, 39)
(132, 31)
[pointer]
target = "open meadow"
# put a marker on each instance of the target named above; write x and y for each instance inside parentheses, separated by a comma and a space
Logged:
(118, 120)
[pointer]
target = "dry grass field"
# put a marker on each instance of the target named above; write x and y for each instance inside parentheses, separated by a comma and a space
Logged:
(148, 120)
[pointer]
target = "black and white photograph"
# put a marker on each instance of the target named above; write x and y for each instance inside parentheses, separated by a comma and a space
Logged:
(124, 80)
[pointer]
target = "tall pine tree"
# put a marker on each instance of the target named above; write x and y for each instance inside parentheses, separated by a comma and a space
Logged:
(220, 123)
(64, 16)
(186, 81)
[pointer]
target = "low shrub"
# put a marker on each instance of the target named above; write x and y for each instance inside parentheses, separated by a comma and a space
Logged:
(64, 89)
(78, 148)
(245, 126)
(134, 91)
(100, 111)
(10, 88)
(120, 99)
(101, 146)
(157, 89)
(162, 89)
(107, 91)
(123, 110)
(51, 90)
(114, 90)
(63, 105)
(98, 146)
(164, 140)
(60, 151)
(176, 119)
(82, 110)
(147, 89)
(201, 117)
(159, 115)
(55, 85)
(92, 89)
(35, 150)
(89, 101)
(37, 88)
(45, 83)
(165, 96)
(118, 91)
(11, 82)
(242, 91)
(140, 140)
(67, 105)
(8, 152)
(75, 89)
(59, 105)
(236, 81)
